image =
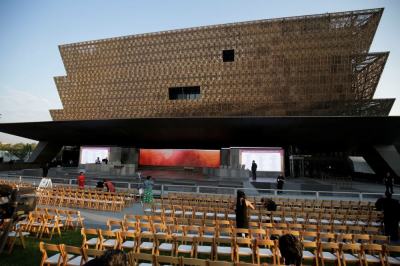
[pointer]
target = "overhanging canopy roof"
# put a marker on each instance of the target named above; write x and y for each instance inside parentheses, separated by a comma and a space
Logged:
(216, 132)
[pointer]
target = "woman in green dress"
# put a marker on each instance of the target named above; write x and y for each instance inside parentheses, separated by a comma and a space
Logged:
(148, 190)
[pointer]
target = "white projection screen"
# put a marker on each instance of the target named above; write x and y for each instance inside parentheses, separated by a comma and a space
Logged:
(267, 159)
(90, 154)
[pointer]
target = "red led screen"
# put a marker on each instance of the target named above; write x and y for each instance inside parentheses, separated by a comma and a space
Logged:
(169, 157)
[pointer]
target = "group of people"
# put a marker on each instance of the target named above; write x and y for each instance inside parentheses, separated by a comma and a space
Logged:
(109, 186)
(105, 184)
(280, 180)
(105, 161)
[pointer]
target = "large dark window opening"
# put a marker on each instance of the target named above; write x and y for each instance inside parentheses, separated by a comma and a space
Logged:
(228, 55)
(184, 93)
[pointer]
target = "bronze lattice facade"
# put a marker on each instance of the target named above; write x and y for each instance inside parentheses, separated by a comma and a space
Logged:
(311, 65)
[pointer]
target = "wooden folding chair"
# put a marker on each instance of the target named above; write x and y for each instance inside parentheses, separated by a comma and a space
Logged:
(350, 253)
(146, 242)
(224, 247)
(391, 254)
(185, 245)
(109, 239)
(115, 225)
(165, 243)
(89, 254)
(373, 254)
(329, 252)
(244, 247)
(18, 233)
(57, 254)
(265, 248)
(50, 225)
(128, 241)
(72, 256)
(310, 252)
(136, 259)
(92, 241)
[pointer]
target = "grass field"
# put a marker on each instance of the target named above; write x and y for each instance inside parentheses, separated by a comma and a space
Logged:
(31, 255)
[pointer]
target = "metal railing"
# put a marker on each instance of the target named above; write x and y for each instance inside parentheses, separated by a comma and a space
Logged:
(163, 189)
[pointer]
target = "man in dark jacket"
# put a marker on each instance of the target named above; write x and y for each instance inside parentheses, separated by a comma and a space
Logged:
(254, 170)
(391, 215)
(389, 180)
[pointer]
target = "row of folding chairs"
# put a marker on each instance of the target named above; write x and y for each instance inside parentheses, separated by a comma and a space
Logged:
(40, 224)
(156, 207)
(70, 218)
(15, 183)
(260, 207)
(137, 220)
(266, 230)
(176, 198)
(190, 212)
(234, 248)
(66, 255)
(83, 200)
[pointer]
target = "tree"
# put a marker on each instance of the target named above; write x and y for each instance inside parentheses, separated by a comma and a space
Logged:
(20, 150)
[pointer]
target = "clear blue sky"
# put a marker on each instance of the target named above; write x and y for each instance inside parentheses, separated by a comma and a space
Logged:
(30, 32)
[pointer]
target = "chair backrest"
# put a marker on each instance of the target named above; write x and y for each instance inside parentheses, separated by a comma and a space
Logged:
(44, 247)
(115, 224)
(93, 253)
(71, 250)
(194, 262)
(220, 263)
(169, 260)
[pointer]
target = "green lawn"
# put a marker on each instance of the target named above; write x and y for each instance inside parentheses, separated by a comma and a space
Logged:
(31, 255)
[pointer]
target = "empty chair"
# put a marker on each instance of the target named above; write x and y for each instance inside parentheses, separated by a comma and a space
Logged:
(391, 255)
(186, 245)
(128, 241)
(72, 256)
(165, 243)
(51, 259)
(350, 253)
(244, 247)
(329, 252)
(204, 246)
(265, 248)
(372, 254)
(115, 225)
(146, 242)
(310, 252)
(108, 239)
(137, 258)
(90, 238)
(224, 247)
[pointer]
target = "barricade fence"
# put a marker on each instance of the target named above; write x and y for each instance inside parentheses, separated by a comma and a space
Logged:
(164, 189)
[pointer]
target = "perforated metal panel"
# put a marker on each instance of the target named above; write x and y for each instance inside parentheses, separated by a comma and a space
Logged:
(309, 65)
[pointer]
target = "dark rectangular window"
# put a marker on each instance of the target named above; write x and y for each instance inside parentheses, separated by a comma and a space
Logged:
(184, 93)
(228, 55)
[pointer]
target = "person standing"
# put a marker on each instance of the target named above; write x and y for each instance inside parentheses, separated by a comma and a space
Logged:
(45, 169)
(254, 170)
(81, 180)
(242, 219)
(148, 190)
(391, 215)
(280, 180)
(389, 180)
(109, 185)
